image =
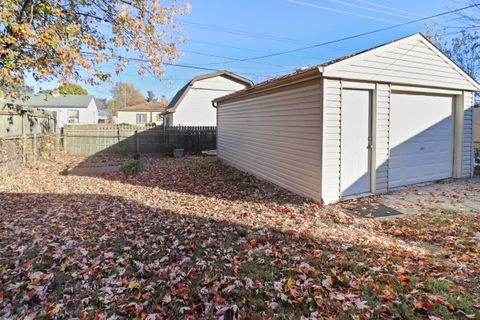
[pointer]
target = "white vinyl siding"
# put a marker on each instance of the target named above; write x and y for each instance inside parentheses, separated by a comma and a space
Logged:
(276, 137)
(331, 140)
(382, 141)
(467, 155)
(410, 61)
(139, 117)
(196, 108)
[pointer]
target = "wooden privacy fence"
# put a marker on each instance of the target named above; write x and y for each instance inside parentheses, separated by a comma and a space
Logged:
(25, 135)
(87, 140)
(19, 120)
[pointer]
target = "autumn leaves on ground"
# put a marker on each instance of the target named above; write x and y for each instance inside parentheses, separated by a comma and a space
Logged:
(192, 238)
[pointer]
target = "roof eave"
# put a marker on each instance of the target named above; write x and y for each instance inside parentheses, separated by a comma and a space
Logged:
(172, 106)
(310, 74)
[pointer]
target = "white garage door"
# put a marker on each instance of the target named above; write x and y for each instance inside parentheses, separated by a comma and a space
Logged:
(421, 139)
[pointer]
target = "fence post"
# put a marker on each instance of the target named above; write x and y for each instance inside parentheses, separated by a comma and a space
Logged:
(24, 160)
(58, 146)
(64, 134)
(34, 148)
(137, 141)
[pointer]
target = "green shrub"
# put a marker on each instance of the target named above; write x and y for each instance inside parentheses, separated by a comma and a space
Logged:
(122, 151)
(239, 181)
(133, 167)
(449, 211)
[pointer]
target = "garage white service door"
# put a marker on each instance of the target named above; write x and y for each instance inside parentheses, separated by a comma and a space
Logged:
(421, 138)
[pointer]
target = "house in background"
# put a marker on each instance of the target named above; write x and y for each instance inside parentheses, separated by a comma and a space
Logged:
(66, 108)
(105, 116)
(192, 105)
(395, 115)
(144, 113)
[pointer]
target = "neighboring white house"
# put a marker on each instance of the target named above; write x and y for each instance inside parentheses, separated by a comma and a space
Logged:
(67, 108)
(144, 113)
(192, 105)
(395, 115)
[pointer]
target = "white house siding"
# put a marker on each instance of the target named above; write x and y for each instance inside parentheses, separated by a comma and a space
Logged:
(196, 107)
(332, 98)
(130, 117)
(409, 61)
(88, 115)
(467, 156)
(382, 136)
(276, 136)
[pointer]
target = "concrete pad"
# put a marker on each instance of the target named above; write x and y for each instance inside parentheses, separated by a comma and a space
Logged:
(458, 195)
(95, 166)
(369, 208)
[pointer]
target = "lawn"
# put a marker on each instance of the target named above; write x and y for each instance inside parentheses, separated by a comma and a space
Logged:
(192, 238)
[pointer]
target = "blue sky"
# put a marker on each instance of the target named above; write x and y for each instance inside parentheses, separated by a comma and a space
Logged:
(249, 28)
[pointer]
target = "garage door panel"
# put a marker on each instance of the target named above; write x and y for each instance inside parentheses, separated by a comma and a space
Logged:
(421, 138)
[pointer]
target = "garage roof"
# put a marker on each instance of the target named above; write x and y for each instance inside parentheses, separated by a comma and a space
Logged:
(326, 68)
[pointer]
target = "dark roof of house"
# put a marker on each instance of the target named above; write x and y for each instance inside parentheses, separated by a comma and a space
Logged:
(60, 101)
(158, 106)
(172, 106)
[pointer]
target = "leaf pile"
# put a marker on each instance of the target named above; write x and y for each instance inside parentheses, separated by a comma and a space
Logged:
(192, 238)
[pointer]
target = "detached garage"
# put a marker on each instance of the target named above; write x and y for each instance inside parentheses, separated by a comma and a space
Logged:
(392, 116)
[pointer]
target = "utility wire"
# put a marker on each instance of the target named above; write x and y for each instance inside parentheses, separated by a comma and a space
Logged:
(187, 66)
(237, 32)
(230, 58)
(239, 48)
(373, 9)
(312, 5)
(360, 34)
(390, 8)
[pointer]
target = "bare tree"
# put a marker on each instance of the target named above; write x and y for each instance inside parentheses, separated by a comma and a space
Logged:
(124, 95)
(462, 46)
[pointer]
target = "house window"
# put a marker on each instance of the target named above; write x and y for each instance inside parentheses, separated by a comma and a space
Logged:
(73, 116)
(141, 118)
(159, 117)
